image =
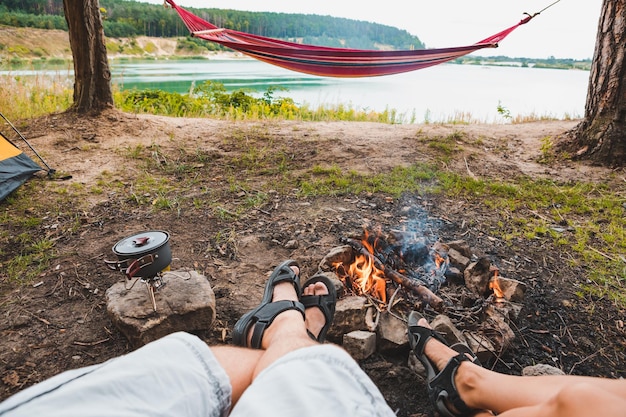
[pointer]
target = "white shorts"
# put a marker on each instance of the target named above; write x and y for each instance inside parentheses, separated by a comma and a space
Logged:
(178, 376)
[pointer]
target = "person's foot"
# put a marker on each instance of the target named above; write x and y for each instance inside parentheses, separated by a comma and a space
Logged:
(314, 316)
(439, 354)
(287, 321)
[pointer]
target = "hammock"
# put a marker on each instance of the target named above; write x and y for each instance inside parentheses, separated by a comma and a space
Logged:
(332, 62)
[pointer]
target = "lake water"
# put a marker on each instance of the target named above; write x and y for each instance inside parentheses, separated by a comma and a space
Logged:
(439, 93)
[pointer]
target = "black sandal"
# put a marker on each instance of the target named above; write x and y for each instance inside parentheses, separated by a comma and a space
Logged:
(442, 390)
(325, 302)
(262, 316)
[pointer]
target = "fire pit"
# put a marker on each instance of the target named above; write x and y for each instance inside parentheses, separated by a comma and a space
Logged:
(399, 271)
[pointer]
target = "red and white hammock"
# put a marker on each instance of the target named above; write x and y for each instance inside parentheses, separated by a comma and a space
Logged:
(332, 62)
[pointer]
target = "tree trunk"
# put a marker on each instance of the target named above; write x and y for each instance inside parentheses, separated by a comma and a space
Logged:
(92, 77)
(601, 136)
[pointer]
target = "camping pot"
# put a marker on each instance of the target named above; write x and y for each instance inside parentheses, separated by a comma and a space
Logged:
(143, 255)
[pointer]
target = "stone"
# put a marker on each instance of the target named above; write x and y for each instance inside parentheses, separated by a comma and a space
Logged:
(340, 254)
(512, 289)
(416, 366)
(462, 247)
(350, 313)
(477, 276)
(392, 332)
(186, 302)
(443, 325)
(482, 348)
(501, 334)
(505, 309)
(457, 259)
(541, 369)
(454, 275)
(360, 344)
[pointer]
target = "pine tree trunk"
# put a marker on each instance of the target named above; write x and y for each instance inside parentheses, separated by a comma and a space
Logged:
(92, 77)
(601, 136)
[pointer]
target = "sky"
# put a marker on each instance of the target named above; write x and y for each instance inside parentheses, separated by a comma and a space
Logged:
(565, 30)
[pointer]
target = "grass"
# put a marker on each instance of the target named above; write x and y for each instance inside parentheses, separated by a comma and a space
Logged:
(586, 220)
(24, 97)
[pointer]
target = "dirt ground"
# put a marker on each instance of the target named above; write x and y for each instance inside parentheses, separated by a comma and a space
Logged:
(59, 322)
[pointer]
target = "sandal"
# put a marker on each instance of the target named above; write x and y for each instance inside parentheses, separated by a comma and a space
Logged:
(262, 316)
(325, 302)
(442, 390)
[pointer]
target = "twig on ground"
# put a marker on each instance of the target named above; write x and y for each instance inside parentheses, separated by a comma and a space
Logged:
(593, 355)
(602, 253)
(469, 172)
(97, 342)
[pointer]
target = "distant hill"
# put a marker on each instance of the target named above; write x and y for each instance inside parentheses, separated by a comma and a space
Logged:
(21, 45)
(125, 19)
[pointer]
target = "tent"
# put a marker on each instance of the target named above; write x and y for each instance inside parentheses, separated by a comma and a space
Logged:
(15, 167)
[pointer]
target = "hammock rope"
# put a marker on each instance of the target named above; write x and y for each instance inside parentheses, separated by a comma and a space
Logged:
(333, 62)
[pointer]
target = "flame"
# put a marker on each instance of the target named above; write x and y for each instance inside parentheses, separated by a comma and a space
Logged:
(367, 278)
(439, 260)
(364, 276)
(494, 285)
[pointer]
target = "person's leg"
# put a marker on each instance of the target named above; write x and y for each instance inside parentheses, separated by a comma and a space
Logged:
(156, 375)
(288, 332)
(579, 400)
(239, 364)
(284, 335)
(481, 388)
(299, 376)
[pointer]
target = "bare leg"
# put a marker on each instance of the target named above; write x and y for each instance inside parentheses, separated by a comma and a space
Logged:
(483, 389)
(288, 332)
(239, 364)
(575, 400)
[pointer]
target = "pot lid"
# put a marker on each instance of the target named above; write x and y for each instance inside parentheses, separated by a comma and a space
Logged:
(142, 242)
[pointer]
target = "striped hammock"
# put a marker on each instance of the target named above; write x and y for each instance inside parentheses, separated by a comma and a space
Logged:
(331, 62)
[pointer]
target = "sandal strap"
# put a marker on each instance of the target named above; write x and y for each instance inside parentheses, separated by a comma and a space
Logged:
(282, 273)
(326, 303)
(419, 335)
(265, 315)
(443, 392)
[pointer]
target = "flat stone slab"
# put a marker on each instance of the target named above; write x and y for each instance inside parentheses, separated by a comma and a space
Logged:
(185, 303)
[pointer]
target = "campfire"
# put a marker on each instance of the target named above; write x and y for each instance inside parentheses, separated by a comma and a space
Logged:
(399, 271)
(402, 259)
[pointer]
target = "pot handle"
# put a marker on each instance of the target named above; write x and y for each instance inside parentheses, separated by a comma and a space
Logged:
(115, 265)
(137, 264)
(130, 268)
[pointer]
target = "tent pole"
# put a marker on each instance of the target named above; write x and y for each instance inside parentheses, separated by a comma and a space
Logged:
(50, 170)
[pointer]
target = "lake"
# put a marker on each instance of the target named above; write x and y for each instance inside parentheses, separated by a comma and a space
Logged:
(441, 93)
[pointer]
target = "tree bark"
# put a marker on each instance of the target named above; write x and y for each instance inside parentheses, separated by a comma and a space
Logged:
(601, 135)
(92, 76)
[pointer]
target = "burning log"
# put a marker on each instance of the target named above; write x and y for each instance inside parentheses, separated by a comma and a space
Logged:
(422, 291)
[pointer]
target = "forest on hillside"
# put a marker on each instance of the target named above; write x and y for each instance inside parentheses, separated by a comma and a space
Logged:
(125, 18)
